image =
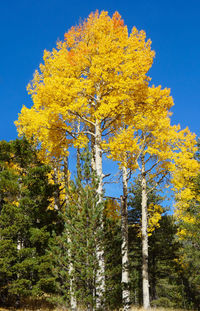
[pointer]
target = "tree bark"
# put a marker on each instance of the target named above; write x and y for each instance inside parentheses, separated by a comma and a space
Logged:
(100, 277)
(124, 246)
(73, 302)
(145, 277)
(78, 155)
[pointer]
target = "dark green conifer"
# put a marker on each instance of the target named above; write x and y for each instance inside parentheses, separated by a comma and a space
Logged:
(26, 222)
(76, 247)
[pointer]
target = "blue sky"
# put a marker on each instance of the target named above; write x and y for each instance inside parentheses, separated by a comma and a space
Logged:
(29, 27)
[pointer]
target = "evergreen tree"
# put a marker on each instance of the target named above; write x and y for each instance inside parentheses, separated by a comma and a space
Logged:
(26, 222)
(82, 225)
(168, 285)
(189, 235)
(188, 221)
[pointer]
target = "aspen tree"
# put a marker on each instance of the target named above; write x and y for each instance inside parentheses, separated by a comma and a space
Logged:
(124, 246)
(185, 177)
(187, 212)
(155, 148)
(98, 68)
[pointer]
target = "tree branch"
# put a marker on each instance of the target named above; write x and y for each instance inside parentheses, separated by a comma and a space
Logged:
(157, 183)
(82, 118)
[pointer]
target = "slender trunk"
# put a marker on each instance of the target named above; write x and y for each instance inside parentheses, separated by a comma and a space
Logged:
(19, 239)
(78, 165)
(92, 139)
(73, 302)
(78, 155)
(124, 247)
(145, 277)
(93, 169)
(56, 194)
(100, 277)
(88, 281)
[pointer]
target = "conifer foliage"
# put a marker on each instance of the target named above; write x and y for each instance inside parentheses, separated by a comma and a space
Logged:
(92, 95)
(82, 224)
(26, 223)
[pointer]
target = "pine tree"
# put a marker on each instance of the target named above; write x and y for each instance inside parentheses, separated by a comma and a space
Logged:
(26, 222)
(82, 224)
(165, 273)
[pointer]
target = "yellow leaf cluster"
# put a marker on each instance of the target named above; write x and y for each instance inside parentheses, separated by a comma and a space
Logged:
(97, 73)
(112, 209)
(57, 177)
(154, 216)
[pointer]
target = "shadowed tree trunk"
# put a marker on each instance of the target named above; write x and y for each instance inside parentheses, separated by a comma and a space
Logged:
(100, 277)
(124, 247)
(73, 301)
(145, 277)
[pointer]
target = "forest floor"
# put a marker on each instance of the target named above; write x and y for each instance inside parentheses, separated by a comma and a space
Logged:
(57, 309)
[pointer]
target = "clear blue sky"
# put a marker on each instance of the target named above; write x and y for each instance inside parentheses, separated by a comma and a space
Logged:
(30, 26)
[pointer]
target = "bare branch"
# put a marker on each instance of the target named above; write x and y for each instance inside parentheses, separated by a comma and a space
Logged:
(149, 170)
(114, 198)
(82, 118)
(129, 174)
(111, 122)
(157, 183)
(88, 132)
(111, 131)
(106, 175)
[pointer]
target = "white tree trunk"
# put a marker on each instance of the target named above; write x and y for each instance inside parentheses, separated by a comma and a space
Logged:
(145, 277)
(100, 277)
(73, 302)
(124, 247)
(78, 155)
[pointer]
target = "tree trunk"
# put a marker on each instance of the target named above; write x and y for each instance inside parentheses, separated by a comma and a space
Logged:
(145, 277)
(73, 302)
(78, 155)
(92, 139)
(100, 277)
(124, 247)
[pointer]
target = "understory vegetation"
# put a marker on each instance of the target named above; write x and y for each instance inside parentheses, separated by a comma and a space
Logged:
(65, 241)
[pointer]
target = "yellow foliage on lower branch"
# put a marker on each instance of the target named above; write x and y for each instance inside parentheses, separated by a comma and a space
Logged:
(155, 213)
(154, 216)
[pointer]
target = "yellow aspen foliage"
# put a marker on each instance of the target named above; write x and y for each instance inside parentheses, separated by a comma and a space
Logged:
(165, 150)
(146, 131)
(16, 203)
(56, 177)
(112, 209)
(96, 74)
(149, 133)
(186, 195)
(185, 168)
(154, 216)
(14, 167)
